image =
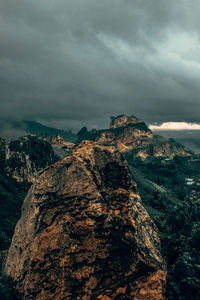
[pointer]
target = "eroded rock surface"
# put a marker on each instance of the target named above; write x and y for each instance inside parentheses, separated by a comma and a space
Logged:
(123, 120)
(26, 157)
(131, 135)
(84, 233)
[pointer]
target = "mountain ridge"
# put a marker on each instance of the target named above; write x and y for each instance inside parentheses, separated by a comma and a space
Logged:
(15, 129)
(130, 134)
(162, 178)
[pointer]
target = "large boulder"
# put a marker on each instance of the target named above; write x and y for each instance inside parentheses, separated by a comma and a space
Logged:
(84, 233)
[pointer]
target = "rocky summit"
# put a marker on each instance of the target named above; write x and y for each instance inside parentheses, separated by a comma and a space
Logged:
(131, 135)
(84, 233)
(123, 120)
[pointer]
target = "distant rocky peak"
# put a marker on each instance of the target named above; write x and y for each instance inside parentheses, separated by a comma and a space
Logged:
(123, 120)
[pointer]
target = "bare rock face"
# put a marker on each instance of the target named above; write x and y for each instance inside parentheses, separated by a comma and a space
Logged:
(26, 157)
(53, 139)
(123, 120)
(126, 133)
(167, 148)
(126, 138)
(133, 137)
(84, 233)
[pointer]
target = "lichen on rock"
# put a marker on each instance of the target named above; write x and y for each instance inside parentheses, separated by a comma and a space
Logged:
(84, 233)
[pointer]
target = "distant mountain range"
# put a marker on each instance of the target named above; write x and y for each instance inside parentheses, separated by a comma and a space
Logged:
(188, 134)
(92, 185)
(14, 129)
(188, 138)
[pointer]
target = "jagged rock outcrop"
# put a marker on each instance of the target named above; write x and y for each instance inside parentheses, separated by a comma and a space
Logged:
(130, 135)
(60, 147)
(62, 150)
(84, 233)
(123, 120)
(163, 148)
(125, 133)
(25, 157)
(53, 139)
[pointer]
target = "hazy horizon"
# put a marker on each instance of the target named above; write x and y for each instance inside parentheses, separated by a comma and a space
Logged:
(69, 63)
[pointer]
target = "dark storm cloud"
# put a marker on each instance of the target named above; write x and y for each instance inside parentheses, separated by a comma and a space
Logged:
(78, 62)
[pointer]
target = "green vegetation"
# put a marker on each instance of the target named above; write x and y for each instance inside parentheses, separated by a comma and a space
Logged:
(39, 129)
(12, 195)
(93, 135)
(40, 152)
(175, 208)
(84, 134)
(172, 203)
(24, 127)
(2, 153)
(7, 289)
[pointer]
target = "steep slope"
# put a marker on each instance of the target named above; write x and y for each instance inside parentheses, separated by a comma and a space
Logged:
(188, 138)
(12, 194)
(60, 146)
(174, 205)
(20, 163)
(26, 157)
(84, 233)
(130, 135)
(15, 129)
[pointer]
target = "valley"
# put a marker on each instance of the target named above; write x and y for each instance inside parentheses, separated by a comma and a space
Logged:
(166, 173)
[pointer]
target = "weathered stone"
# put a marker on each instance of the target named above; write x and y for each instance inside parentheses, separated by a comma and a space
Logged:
(133, 137)
(26, 157)
(84, 233)
(123, 120)
(168, 148)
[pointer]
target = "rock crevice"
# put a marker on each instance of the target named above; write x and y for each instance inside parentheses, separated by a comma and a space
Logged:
(84, 233)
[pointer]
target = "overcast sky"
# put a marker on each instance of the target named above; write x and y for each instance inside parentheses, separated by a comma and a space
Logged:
(71, 63)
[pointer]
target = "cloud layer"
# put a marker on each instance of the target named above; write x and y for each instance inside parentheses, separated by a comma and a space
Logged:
(73, 63)
(166, 126)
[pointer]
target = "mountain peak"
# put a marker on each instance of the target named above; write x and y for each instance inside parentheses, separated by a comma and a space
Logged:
(123, 120)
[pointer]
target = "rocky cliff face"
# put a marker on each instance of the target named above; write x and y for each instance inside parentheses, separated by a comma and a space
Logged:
(24, 158)
(125, 133)
(123, 120)
(60, 146)
(84, 233)
(129, 134)
(161, 147)
(20, 163)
